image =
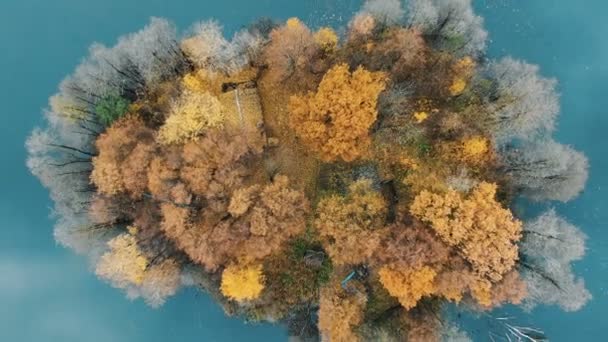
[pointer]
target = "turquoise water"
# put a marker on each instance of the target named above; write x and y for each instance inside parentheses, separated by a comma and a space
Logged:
(48, 294)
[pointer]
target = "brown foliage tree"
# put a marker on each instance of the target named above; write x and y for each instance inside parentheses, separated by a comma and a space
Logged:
(125, 151)
(412, 246)
(214, 165)
(247, 231)
(399, 52)
(340, 312)
(421, 325)
(351, 227)
(335, 121)
(290, 51)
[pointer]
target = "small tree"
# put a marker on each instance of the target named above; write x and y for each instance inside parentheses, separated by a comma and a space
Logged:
(189, 116)
(242, 283)
(124, 265)
(111, 108)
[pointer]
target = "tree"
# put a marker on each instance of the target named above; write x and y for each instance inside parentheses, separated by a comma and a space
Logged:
(409, 286)
(125, 151)
(213, 165)
(207, 48)
(154, 51)
(361, 25)
(401, 52)
(205, 44)
(290, 50)
(256, 222)
(411, 247)
(326, 38)
(111, 108)
(242, 283)
(450, 24)
(191, 115)
(455, 279)
(386, 12)
(483, 231)
(105, 209)
(246, 48)
(350, 227)
(554, 284)
(340, 312)
(160, 281)
(527, 104)
(546, 170)
(511, 289)
(421, 324)
(60, 156)
(124, 265)
(109, 78)
(335, 121)
(549, 245)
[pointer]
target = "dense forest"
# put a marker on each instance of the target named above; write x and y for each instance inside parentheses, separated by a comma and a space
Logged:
(350, 183)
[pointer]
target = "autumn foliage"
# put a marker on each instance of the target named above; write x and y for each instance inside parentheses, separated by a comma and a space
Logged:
(242, 283)
(362, 179)
(409, 286)
(339, 313)
(482, 230)
(291, 49)
(264, 217)
(350, 227)
(335, 121)
(190, 115)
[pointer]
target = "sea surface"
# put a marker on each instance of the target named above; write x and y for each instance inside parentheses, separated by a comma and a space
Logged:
(49, 294)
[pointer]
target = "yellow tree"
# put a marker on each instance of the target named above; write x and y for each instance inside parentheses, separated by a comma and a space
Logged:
(478, 226)
(409, 286)
(474, 150)
(462, 71)
(326, 38)
(189, 116)
(242, 283)
(335, 121)
(123, 265)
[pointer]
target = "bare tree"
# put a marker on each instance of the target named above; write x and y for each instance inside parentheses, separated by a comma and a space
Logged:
(450, 24)
(386, 12)
(548, 247)
(525, 104)
(207, 48)
(61, 158)
(546, 170)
